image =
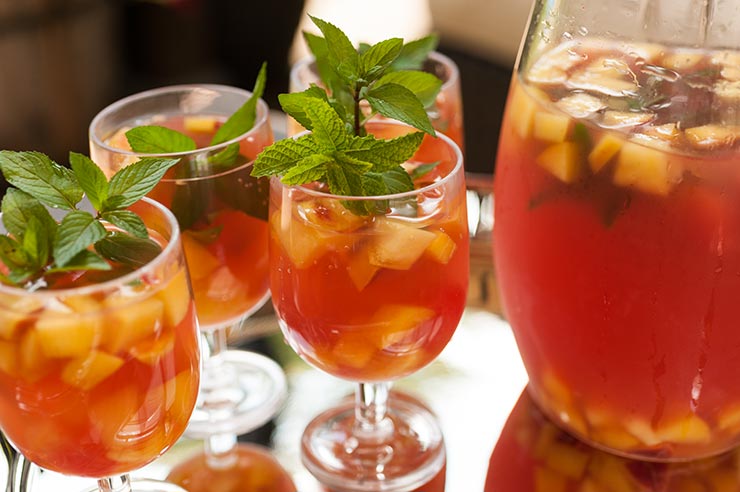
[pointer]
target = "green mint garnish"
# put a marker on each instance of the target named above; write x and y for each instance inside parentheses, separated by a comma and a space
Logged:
(153, 139)
(36, 245)
(338, 151)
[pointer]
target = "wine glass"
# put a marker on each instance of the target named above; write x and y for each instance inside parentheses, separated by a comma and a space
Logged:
(222, 211)
(617, 224)
(371, 299)
(99, 373)
(446, 114)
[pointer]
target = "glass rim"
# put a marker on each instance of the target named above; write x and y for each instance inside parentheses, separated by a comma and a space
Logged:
(394, 196)
(263, 111)
(433, 55)
(123, 279)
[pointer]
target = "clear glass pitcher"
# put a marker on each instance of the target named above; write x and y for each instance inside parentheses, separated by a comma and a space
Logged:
(617, 237)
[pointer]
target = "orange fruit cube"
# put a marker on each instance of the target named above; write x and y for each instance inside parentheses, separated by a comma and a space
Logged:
(87, 372)
(133, 323)
(442, 248)
(67, 335)
(176, 298)
(396, 245)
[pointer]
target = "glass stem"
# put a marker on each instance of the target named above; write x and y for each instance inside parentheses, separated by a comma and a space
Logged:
(219, 451)
(371, 411)
(121, 483)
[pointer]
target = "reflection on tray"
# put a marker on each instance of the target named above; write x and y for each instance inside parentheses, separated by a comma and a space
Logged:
(534, 455)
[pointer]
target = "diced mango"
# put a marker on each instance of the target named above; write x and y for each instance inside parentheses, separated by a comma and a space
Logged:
(15, 313)
(442, 248)
(394, 322)
(330, 215)
(562, 160)
(87, 372)
(581, 105)
(521, 111)
(644, 168)
(176, 298)
(546, 480)
(34, 364)
(353, 350)
(729, 418)
(199, 124)
(625, 119)
(560, 398)
(81, 303)
(611, 473)
(303, 244)
(62, 336)
(643, 431)
(133, 323)
(396, 245)
(150, 351)
(360, 270)
(567, 460)
(201, 262)
(615, 438)
(551, 127)
(712, 136)
(8, 357)
(10, 322)
(690, 429)
(609, 145)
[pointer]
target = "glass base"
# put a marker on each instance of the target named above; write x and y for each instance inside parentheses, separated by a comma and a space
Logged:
(247, 467)
(239, 393)
(148, 485)
(406, 455)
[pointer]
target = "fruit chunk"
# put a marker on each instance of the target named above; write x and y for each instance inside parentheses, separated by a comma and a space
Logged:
(667, 131)
(581, 105)
(546, 480)
(686, 430)
(15, 312)
(728, 91)
(551, 127)
(681, 60)
(86, 372)
(202, 124)
(521, 111)
(330, 214)
(623, 119)
(360, 270)
(442, 248)
(34, 364)
(606, 76)
(8, 357)
(396, 245)
(608, 146)
(152, 350)
(201, 262)
(66, 335)
(562, 160)
(81, 304)
(712, 136)
(132, 323)
(394, 322)
(303, 244)
(176, 298)
(645, 168)
(552, 67)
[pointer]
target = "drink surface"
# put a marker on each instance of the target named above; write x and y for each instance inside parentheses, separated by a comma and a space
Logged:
(99, 382)
(222, 211)
(371, 298)
(617, 243)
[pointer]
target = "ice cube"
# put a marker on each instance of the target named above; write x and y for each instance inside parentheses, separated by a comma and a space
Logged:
(397, 245)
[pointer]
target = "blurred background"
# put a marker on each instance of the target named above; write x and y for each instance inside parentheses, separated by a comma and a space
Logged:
(64, 60)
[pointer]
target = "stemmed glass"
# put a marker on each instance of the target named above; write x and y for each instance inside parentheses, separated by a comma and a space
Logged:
(100, 379)
(222, 211)
(446, 114)
(371, 299)
(617, 230)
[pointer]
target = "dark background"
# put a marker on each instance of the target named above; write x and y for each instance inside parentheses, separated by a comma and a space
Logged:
(62, 61)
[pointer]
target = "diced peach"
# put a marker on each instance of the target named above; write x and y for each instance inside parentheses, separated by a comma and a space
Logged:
(561, 399)
(199, 124)
(667, 131)
(562, 160)
(551, 127)
(360, 270)
(34, 364)
(10, 322)
(15, 313)
(567, 460)
(521, 111)
(176, 298)
(690, 429)
(681, 61)
(644, 168)
(712, 136)
(608, 146)
(546, 480)
(81, 303)
(201, 262)
(87, 372)
(642, 430)
(729, 418)
(353, 350)
(133, 323)
(62, 336)
(8, 357)
(394, 322)
(119, 140)
(442, 248)
(624, 119)
(396, 245)
(303, 244)
(330, 215)
(611, 473)
(581, 105)
(150, 351)
(615, 438)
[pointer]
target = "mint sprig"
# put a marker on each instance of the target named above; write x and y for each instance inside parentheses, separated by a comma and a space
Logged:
(37, 246)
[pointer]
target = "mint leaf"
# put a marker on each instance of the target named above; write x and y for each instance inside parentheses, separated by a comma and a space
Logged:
(344, 180)
(378, 57)
(397, 180)
(243, 118)
(284, 154)
(90, 178)
(128, 221)
(84, 260)
(128, 250)
(39, 176)
(76, 232)
(294, 104)
(385, 154)
(425, 86)
(307, 170)
(341, 53)
(132, 182)
(397, 102)
(329, 131)
(152, 139)
(36, 243)
(13, 255)
(414, 53)
(423, 169)
(227, 157)
(18, 207)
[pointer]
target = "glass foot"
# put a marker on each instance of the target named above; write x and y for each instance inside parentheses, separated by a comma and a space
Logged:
(408, 454)
(246, 467)
(240, 391)
(147, 485)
